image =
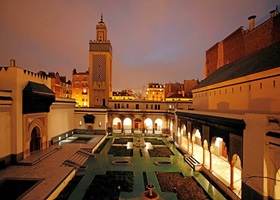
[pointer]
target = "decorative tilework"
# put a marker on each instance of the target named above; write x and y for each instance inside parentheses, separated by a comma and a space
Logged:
(99, 68)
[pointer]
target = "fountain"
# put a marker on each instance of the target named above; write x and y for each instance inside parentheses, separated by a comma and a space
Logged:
(150, 193)
(140, 142)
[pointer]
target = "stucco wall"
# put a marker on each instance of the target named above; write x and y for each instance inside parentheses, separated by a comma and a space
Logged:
(258, 92)
(15, 79)
(100, 121)
(5, 131)
(61, 117)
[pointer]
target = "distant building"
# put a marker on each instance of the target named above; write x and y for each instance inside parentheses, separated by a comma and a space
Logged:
(123, 95)
(59, 85)
(173, 88)
(155, 91)
(180, 92)
(188, 86)
(80, 88)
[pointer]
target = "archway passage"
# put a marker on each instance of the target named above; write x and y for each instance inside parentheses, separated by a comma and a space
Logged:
(158, 126)
(117, 125)
(35, 142)
(137, 125)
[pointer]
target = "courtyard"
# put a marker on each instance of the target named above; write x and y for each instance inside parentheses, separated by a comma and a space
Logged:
(98, 177)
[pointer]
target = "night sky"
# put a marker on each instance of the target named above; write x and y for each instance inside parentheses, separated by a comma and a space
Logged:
(153, 40)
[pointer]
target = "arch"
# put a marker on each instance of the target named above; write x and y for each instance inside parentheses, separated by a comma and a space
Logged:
(158, 126)
(35, 136)
(35, 141)
(148, 124)
(171, 126)
(89, 128)
(97, 101)
(220, 148)
(196, 136)
(277, 185)
(117, 125)
(183, 130)
(137, 125)
(127, 125)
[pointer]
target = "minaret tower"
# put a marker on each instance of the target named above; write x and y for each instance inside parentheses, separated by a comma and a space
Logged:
(100, 67)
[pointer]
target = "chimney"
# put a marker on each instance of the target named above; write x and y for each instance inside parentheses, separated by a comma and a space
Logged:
(272, 13)
(251, 22)
(12, 62)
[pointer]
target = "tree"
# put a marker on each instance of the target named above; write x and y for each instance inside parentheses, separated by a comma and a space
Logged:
(139, 93)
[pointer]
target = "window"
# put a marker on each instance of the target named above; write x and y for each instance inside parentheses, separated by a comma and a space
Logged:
(240, 89)
(152, 106)
(274, 84)
(127, 105)
(158, 107)
(147, 106)
(155, 107)
(137, 106)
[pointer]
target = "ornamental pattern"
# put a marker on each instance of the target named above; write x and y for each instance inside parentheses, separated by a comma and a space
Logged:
(99, 68)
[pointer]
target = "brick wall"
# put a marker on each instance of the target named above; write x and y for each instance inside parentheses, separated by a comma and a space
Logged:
(241, 43)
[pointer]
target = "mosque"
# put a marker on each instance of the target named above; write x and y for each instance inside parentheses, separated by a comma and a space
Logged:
(234, 114)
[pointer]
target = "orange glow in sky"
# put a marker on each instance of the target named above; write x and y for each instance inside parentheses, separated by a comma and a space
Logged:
(153, 40)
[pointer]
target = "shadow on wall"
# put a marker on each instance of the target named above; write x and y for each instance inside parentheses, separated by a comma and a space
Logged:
(223, 106)
(261, 104)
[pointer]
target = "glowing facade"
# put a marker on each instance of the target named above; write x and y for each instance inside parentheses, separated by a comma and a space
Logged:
(100, 68)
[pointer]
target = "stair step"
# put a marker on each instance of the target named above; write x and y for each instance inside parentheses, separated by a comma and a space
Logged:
(193, 163)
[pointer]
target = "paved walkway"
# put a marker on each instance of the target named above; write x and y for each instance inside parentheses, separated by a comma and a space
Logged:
(48, 170)
(221, 168)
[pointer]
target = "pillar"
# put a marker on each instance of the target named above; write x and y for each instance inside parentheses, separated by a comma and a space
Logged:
(233, 161)
(211, 162)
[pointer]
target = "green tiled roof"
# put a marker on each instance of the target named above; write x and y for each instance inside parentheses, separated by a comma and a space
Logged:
(265, 59)
(38, 88)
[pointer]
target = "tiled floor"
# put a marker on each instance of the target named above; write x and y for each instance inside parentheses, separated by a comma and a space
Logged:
(221, 168)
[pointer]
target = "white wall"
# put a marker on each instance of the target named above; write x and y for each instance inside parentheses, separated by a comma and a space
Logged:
(61, 117)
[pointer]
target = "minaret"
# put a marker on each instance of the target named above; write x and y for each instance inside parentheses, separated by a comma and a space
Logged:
(100, 67)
